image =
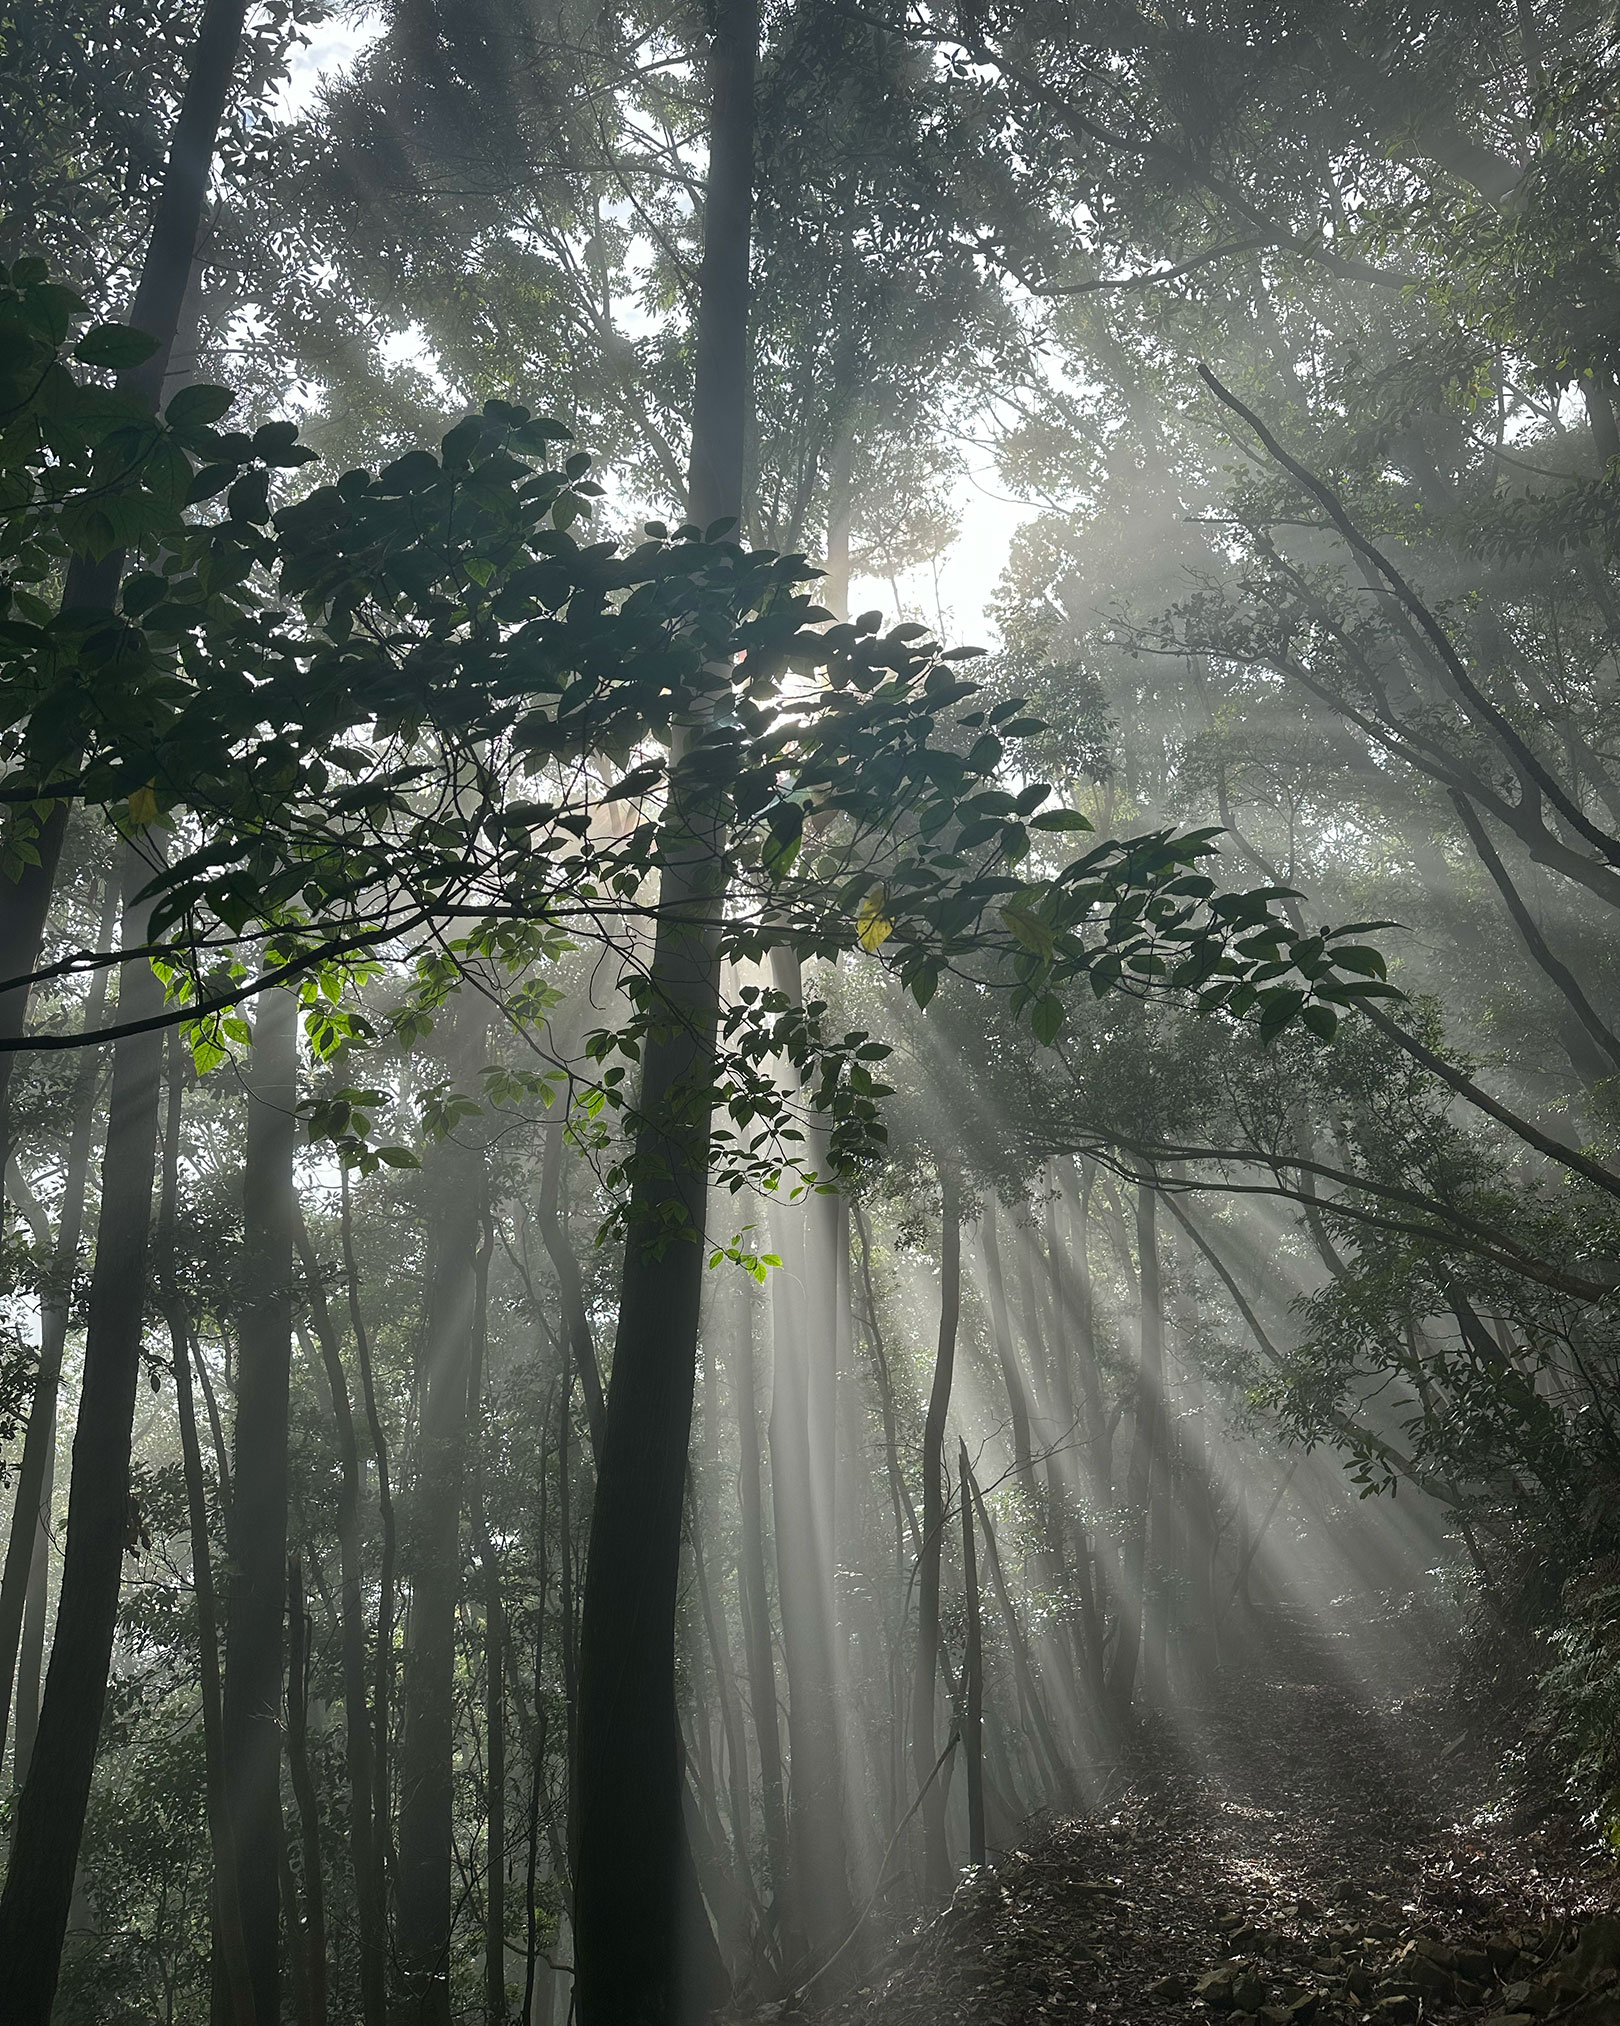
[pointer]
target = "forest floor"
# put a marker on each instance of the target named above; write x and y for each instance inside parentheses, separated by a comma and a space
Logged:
(1317, 1842)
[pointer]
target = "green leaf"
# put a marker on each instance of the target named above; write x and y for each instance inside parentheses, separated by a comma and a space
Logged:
(211, 479)
(1322, 1021)
(50, 308)
(116, 346)
(1060, 819)
(1047, 1019)
(457, 447)
(1279, 1008)
(1359, 957)
(1031, 933)
(198, 407)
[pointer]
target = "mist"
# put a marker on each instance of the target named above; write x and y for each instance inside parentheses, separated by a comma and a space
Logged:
(807, 1036)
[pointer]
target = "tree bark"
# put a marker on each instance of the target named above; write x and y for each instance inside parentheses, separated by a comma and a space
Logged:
(906, 1524)
(972, 1671)
(755, 1592)
(93, 586)
(537, 1756)
(28, 1545)
(1006, 1355)
(1053, 1429)
(51, 1809)
(370, 1913)
(422, 1883)
(840, 510)
(1144, 1446)
(309, 1941)
(803, 1453)
(226, 1911)
(644, 1953)
(936, 1856)
(383, 1683)
(494, 1666)
(255, 1627)
(1057, 1767)
(570, 1286)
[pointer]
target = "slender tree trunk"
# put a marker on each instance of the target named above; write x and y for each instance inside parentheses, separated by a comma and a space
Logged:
(936, 1857)
(216, 1426)
(1006, 1355)
(495, 1791)
(494, 1666)
(1075, 1288)
(456, 1260)
(227, 1923)
(370, 1912)
(571, 1286)
(570, 1621)
(1052, 1426)
(1144, 1444)
(802, 1437)
(906, 1524)
(720, 392)
(93, 586)
(644, 1953)
(1057, 1767)
(50, 1812)
(840, 510)
(1161, 1562)
(309, 1940)
(537, 1766)
(755, 1592)
(972, 1670)
(736, 1755)
(383, 1685)
(28, 1545)
(255, 1628)
(303, 2005)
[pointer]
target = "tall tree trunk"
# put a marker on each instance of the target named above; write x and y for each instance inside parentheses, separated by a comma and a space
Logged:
(255, 1624)
(754, 1590)
(906, 1524)
(972, 1670)
(456, 1192)
(1144, 1445)
(308, 1939)
(1075, 1288)
(93, 586)
(537, 1756)
(570, 1620)
(50, 1812)
(1057, 1767)
(489, 1567)
(1006, 1355)
(840, 510)
(936, 1857)
(570, 1285)
(28, 1545)
(803, 1437)
(1053, 1429)
(227, 1922)
(370, 1911)
(495, 1796)
(644, 1954)
(714, 1623)
(383, 1684)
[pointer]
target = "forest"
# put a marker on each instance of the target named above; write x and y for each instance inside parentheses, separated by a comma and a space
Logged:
(807, 1065)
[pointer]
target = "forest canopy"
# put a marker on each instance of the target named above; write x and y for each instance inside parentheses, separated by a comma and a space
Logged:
(682, 1254)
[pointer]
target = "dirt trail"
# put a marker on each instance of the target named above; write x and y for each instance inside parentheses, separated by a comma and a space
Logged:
(1308, 1845)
